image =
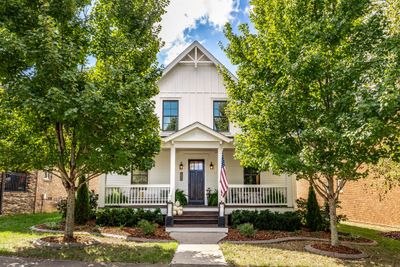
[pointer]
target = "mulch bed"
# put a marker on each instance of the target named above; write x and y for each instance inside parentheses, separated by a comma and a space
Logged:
(356, 239)
(90, 226)
(234, 235)
(337, 249)
(159, 234)
(394, 235)
(77, 239)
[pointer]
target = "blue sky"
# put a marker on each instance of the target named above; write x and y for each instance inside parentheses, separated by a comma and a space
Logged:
(201, 20)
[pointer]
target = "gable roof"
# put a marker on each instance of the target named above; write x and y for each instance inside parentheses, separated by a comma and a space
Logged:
(188, 49)
(200, 126)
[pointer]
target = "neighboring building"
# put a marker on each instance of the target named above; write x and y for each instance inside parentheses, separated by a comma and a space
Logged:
(195, 134)
(364, 201)
(33, 192)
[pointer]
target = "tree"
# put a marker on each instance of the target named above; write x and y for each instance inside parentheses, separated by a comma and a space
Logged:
(317, 92)
(82, 209)
(386, 175)
(78, 77)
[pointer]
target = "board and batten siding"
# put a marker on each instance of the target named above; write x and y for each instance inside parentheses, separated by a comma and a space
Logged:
(195, 89)
(159, 174)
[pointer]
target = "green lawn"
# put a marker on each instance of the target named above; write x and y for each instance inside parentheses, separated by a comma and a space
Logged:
(15, 240)
(386, 253)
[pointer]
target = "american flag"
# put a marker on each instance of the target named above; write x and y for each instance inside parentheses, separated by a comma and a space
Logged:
(223, 181)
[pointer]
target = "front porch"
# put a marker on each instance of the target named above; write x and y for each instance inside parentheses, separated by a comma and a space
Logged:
(239, 195)
(190, 160)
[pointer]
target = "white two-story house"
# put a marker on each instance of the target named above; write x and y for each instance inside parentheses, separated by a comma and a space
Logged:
(195, 134)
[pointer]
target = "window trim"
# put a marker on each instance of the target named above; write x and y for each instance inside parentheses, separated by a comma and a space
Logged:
(213, 118)
(163, 116)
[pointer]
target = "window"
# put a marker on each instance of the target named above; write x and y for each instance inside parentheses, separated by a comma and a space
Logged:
(139, 177)
(15, 181)
(251, 176)
(47, 176)
(170, 115)
(221, 123)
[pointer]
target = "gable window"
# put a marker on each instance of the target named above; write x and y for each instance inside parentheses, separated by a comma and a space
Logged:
(15, 181)
(221, 123)
(251, 176)
(170, 115)
(139, 177)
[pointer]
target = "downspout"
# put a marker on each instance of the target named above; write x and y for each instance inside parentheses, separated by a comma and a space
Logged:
(34, 201)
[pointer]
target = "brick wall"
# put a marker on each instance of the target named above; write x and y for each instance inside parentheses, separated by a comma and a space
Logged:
(20, 202)
(49, 192)
(46, 192)
(54, 191)
(363, 201)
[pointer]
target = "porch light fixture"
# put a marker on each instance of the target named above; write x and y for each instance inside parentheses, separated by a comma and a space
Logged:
(181, 166)
(211, 166)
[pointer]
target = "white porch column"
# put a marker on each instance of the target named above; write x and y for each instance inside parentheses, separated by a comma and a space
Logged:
(289, 190)
(172, 172)
(220, 150)
(102, 190)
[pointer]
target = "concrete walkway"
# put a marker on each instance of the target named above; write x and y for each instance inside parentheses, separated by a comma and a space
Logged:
(28, 262)
(198, 249)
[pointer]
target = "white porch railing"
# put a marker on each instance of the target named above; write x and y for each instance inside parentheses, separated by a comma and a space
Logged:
(138, 194)
(256, 195)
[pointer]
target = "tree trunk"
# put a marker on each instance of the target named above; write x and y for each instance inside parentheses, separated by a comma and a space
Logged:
(332, 211)
(332, 218)
(70, 218)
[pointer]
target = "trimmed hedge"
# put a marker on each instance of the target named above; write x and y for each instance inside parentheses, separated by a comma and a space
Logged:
(127, 216)
(267, 220)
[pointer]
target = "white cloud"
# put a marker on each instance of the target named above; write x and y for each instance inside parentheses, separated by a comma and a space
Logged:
(185, 14)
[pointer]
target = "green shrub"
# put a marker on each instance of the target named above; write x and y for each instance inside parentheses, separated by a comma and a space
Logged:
(62, 208)
(115, 217)
(127, 216)
(302, 209)
(324, 225)
(314, 221)
(213, 199)
(93, 198)
(181, 197)
(82, 204)
(267, 220)
(247, 230)
(243, 216)
(147, 227)
(53, 225)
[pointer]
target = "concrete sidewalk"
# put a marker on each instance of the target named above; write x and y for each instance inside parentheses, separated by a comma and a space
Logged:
(198, 249)
(198, 255)
(28, 262)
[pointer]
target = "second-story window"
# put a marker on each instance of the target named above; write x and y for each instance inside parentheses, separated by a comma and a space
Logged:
(221, 123)
(47, 176)
(170, 115)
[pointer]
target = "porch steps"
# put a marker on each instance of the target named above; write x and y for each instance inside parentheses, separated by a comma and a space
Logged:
(197, 219)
